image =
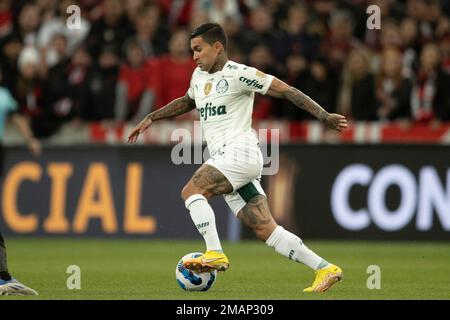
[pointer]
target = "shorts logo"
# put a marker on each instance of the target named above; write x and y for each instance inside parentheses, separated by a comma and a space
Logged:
(207, 88)
(222, 86)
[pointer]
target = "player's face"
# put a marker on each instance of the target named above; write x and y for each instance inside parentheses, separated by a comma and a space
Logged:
(204, 54)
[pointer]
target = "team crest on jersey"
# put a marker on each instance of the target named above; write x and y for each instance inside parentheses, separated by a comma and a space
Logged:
(222, 86)
(207, 88)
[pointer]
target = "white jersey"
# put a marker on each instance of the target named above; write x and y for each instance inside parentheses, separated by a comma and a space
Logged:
(224, 100)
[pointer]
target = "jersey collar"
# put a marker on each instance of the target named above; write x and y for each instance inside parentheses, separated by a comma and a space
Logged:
(220, 71)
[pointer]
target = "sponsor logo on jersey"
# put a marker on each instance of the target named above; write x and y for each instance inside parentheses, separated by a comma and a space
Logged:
(251, 82)
(207, 88)
(222, 86)
(232, 67)
(210, 111)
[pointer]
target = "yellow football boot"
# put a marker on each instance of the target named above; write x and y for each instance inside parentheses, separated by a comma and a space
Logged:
(325, 278)
(211, 260)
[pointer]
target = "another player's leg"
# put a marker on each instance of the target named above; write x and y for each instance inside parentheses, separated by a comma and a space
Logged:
(206, 182)
(256, 215)
(9, 285)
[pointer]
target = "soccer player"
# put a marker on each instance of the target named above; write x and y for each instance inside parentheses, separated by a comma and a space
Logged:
(9, 285)
(223, 93)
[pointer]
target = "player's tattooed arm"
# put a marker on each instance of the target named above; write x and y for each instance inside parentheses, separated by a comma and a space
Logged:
(172, 109)
(279, 89)
(306, 103)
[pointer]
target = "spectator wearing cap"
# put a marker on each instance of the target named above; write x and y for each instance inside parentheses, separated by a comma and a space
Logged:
(28, 89)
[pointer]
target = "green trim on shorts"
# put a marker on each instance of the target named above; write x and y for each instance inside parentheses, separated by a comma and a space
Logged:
(248, 191)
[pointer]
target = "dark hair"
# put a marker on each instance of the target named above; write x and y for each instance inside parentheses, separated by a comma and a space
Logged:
(211, 33)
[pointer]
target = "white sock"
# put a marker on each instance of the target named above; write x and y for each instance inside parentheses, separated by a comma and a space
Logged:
(203, 216)
(290, 246)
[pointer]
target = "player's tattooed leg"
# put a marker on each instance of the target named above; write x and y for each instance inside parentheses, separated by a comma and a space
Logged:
(256, 215)
(207, 181)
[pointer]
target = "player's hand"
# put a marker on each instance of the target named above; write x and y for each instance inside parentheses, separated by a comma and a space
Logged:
(138, 129)
(336, 121)
(35, 147)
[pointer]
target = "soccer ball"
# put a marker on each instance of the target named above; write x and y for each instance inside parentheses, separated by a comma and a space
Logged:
(193, 281)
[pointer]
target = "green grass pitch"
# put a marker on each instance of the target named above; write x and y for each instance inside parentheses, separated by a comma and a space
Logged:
(145, 269)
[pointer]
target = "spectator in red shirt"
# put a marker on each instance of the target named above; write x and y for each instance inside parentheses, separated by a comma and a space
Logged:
(170, 75)
(6, 21)
(131, 84)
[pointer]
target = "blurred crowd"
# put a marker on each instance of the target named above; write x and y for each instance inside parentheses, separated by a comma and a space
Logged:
(129, 57)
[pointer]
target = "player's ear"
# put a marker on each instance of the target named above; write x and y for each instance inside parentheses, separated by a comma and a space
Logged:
(218, 47)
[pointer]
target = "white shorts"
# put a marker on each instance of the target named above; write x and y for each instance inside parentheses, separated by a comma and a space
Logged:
(241, 164)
